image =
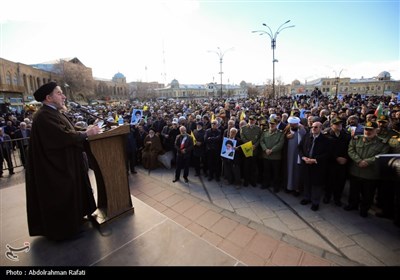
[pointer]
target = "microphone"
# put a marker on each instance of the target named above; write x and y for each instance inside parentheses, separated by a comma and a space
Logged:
(77, 105)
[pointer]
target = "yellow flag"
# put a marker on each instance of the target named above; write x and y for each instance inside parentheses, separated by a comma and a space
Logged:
(247, 149)
(145, 108)
(242, 116)
(262, 103)
(212, 117)
(194, 138)
(293, 108)
(116, 118)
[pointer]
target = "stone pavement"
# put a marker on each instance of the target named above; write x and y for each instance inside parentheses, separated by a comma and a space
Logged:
(205, 223)
(335, 235)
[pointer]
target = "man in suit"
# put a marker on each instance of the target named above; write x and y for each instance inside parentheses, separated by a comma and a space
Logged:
(314, 151)
(184, 146)
(22, 134)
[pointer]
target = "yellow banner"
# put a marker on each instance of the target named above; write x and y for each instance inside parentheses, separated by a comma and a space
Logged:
(194, 138)
(247, 149)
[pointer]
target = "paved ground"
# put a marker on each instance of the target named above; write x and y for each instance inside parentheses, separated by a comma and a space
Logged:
(205, 223)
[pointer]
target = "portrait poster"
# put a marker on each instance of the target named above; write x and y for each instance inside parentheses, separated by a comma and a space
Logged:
(228, 148)
(137, 115)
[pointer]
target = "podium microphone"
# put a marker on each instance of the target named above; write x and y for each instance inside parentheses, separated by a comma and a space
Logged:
(77, 105)
(84, 110)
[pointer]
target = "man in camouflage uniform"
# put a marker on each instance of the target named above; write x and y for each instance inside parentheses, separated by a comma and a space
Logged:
(252, 133)
(364, 173)
(271, 143)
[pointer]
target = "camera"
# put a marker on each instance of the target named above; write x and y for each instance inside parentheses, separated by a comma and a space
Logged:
(389, 166)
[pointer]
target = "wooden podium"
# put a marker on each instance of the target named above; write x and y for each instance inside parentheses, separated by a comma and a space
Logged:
(107, 157)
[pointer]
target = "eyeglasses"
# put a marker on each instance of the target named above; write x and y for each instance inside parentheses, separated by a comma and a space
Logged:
(315, 127)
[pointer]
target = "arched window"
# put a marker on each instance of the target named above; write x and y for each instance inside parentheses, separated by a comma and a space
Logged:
(8, 78)
(15, 79)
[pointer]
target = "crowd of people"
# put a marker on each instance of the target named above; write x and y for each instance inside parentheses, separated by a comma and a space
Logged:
(308, 146)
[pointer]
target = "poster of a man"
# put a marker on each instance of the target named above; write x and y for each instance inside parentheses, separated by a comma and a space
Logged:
(136, 116)
(228, 148)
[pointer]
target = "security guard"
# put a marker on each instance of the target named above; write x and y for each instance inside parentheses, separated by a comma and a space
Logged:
(252, 133)
(271, 143)
(338, 162)
(364, 173)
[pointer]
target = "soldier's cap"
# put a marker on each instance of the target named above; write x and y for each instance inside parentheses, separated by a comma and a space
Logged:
(370, 125)
(263, 122)
(382, 118)
(252, 117)
(272, 120)
(336, 121)
(46, 89)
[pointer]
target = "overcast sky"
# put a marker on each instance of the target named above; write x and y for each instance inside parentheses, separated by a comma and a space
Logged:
(164, 40)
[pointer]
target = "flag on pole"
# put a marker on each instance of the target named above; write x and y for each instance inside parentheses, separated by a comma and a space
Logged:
(294, 107)
(379, 111)
(242, 116)
(212, 117)
(194, 138)
(145, 108)
(262, 103)
(247, 149)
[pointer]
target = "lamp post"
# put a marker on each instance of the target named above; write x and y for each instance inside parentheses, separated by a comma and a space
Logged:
(337, 81)
(221, 54)
(273, 36)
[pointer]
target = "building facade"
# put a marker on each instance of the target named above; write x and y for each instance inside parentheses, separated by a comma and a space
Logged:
(19, 81)
(382, 84)
(176, 90)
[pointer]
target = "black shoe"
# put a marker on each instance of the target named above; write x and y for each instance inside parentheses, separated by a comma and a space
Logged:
(217, 179)
(326, 200)
(253, 185)
(314, 207)
(338, 203)
(383, 215)
(12, 173)
(186, 179)
(276, 190)
(197, 175)
(246, 184)
(175, 180)
(210, 179)
(305, 201)
(133, 172)
(288, 191)
(364, 213)
(296, 193)
(350, 207)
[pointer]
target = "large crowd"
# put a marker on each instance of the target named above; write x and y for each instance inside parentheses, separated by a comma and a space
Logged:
(309, 146)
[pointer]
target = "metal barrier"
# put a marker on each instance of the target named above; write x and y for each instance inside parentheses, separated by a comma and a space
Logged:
(13, 153)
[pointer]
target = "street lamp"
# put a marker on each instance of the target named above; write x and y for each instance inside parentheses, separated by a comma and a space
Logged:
(273, 36)
(221, 54)
(337, 81)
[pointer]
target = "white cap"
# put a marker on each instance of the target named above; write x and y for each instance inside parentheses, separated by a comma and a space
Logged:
(293, 120)
(175, 121)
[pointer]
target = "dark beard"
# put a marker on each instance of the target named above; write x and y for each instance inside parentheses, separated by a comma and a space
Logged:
(294, 128)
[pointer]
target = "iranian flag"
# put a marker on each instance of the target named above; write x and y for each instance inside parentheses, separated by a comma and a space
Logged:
(379, 111)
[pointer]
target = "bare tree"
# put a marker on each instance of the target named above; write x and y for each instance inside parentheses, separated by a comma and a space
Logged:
(77, 79)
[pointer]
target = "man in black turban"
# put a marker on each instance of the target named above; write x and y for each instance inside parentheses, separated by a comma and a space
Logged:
(58, 191)
(44, 90)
